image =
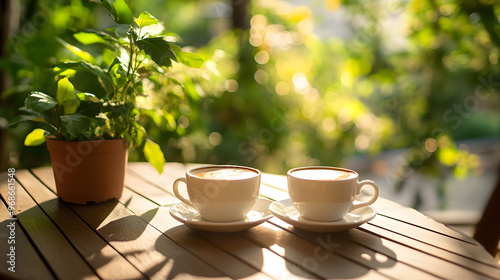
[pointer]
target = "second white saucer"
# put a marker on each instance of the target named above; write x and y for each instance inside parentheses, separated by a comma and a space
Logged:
(189, 216)
(285, 211)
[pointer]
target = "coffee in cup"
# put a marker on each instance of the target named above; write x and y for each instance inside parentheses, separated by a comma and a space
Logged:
(323, 174)
(221, 193)
(228, 173)
(326, 194)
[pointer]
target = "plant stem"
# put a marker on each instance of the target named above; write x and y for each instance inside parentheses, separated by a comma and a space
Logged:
(130, 76)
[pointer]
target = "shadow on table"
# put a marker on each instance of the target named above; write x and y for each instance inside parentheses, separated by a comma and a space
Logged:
(94, 214)
(212, 254)
(18, 259)
(346, 257)
(55, 232)
(330, 255)
(153, 253)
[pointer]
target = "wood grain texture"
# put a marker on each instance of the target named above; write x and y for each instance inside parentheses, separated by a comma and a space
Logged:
(406, 233)
(48, 239)
(104, 259)
(346, 245)
(28, 263)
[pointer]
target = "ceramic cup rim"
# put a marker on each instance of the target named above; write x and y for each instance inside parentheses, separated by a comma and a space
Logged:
(289, 173)
(190, 171)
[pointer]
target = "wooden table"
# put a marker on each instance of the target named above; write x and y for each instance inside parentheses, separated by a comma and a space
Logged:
(137, 238)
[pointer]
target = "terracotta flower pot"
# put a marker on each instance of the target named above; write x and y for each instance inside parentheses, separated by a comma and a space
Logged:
(88, 171)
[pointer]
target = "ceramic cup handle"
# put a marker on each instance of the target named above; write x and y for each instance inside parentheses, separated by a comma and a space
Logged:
(358, 191)
(178, 195)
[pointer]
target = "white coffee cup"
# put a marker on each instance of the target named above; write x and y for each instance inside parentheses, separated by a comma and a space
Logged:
(326, 194)
(221, 193)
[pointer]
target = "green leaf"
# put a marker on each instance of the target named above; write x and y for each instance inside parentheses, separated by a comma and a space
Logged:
(137, 135)
(32, 115)
(90, 108)
(139, 89)
(103, 76)
(114, 111)
(190, 59)
(65, 69)
(39, 117)
(97, 122)
(122, 30)
(187, 58)
(107, 56)
(66, 96)
(158, 49)
(154, 155)
(24, 118)
(85, 96)
(146, 19)
(89, 38)
(190, 88)
(170, 121)
(35, 138)
(71, 105)
(65, 73)
(123, 12)
(105, 36)
(108, 6)
(76, 125)
(65, 90)
(155, 117)
(39, 102)
(81, 54)
(66, 65)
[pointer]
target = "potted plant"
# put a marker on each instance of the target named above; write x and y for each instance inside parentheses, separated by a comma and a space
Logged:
(88, 136)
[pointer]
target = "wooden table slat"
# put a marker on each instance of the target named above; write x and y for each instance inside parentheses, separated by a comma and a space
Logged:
(416, 258)
(153, 253)
(47, 237)
(433, 266)
(465, 260)
(434, 239)
(149, 190)
(411, 216)
(28, 264)
(106, 261)
(341, 244)
(322, 251)
(265, 260)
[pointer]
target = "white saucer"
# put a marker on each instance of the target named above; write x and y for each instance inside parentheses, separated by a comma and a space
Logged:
(285, 210)
(189, 216)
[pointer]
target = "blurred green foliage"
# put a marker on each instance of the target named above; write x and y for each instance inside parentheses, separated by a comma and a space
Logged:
(416, 74)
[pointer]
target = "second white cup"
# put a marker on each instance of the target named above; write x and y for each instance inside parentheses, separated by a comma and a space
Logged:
(326, 194)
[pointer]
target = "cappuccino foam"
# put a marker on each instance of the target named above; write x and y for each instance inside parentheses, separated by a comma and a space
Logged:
(323, 174)
(226, 173)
